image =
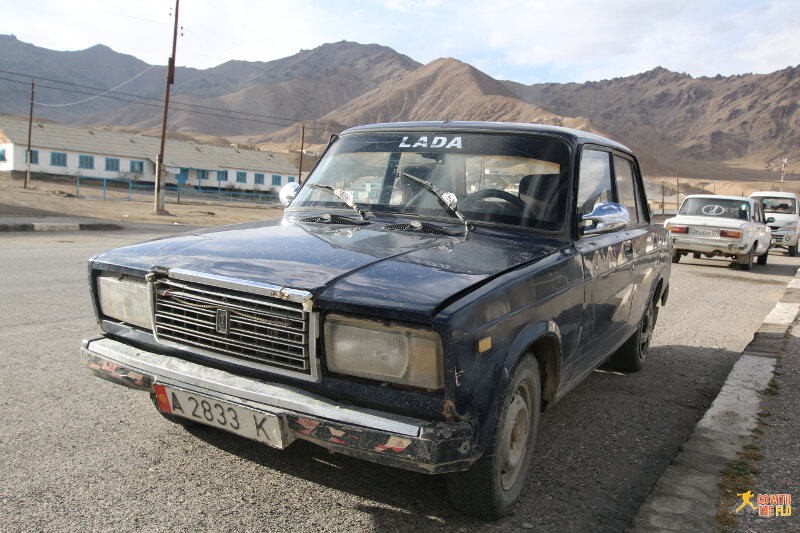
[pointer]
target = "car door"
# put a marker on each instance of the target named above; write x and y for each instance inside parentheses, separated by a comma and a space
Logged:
(764, 234)
(644, 241)
(608, 268)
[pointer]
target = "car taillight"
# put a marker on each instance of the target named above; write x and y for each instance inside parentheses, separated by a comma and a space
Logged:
(731, 234)
(677, 229)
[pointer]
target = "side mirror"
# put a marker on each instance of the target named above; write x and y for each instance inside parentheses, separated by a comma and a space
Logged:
(604, 218)
(770, 220)
(288, 192)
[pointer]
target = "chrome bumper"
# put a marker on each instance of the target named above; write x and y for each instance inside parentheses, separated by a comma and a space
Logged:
(784, 238)
(404, 442)
(709, 246)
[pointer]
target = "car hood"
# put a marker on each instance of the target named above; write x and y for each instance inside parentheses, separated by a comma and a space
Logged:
(361, 269)
(716, 222)
(781, 218)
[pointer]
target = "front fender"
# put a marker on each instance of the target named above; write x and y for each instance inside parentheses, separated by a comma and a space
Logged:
(520, 347)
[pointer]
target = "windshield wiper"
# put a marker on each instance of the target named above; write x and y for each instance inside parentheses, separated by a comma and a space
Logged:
(344, 196)
(448, 199)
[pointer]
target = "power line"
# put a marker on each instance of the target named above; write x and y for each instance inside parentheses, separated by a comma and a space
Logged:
(320, 128)
(98, 95)
(290, 121)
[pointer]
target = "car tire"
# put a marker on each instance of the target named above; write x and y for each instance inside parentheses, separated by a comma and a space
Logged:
(491, 486)
(746, 260)
(762, 259)
(631, 356)
(697, 255)
(793, 252)
(676, 257)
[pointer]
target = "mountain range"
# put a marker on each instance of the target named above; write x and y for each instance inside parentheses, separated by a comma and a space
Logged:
(734, 127)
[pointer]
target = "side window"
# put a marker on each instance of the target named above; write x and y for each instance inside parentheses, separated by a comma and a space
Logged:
(626, 186)
(594, 182)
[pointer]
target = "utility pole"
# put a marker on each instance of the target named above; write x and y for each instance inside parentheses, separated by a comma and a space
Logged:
(302, 144)
(783, 170)
(30, 131)
(160, 169)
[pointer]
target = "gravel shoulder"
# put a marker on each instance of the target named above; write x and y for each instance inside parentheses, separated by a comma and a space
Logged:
(59, 197)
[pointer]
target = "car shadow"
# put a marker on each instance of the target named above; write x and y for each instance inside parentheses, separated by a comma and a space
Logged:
(724, 264)
(599, 451)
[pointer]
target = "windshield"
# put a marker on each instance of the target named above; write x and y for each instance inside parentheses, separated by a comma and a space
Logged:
(518, 180)
(778, 205)
(716, 207)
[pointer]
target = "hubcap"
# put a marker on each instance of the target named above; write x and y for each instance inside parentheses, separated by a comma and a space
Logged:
(517, 431)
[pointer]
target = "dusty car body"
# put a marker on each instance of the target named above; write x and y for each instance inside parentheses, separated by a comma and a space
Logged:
(424, 325)
(726, 226)
(781, 210)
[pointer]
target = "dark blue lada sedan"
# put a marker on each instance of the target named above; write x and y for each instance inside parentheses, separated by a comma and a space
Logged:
(430, 289)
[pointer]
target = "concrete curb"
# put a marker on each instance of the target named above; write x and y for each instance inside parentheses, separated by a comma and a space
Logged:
(59, 226)
(686, 495)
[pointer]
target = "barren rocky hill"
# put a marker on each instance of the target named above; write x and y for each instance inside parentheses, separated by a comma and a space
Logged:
(740, 126)
(736, 127)
(445, 89)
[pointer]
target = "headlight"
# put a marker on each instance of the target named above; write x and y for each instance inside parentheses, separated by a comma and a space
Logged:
(124, 298)
(397, 354)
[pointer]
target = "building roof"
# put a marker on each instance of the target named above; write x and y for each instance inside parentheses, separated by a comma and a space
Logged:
(177, 154)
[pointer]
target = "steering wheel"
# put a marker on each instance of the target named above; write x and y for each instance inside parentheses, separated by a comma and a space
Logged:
(485, 194)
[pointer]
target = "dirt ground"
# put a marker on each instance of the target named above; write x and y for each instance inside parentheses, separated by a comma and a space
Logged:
(59, 197)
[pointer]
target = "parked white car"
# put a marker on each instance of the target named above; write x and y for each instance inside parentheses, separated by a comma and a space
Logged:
(728, 226)
(781, 210)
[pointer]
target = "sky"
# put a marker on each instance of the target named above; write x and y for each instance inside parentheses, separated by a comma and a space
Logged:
(528, 41)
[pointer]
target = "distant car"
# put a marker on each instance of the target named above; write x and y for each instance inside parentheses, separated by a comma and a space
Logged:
(781, 210)
(728, 226)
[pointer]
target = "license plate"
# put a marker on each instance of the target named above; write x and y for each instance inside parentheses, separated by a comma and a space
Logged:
(251, 423)
(704, 232)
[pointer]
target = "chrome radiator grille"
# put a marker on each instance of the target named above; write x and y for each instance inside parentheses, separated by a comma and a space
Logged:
(248, 329)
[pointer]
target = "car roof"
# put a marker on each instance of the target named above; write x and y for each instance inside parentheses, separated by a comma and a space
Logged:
(572, 135)
(774, 194)
(720, 197)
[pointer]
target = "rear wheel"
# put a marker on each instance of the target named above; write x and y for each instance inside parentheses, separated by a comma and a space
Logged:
(746, 260)
(676, 257)
(696, 255)
(631, 355)
(762, 259)
(489, 489)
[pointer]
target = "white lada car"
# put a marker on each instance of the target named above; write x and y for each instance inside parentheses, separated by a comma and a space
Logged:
(727, 226)
(781, 211)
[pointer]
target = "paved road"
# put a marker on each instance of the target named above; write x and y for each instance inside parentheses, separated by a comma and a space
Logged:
(81, 454)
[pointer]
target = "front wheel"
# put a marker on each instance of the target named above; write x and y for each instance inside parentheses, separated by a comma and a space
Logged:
(793, 252)
(489, 489)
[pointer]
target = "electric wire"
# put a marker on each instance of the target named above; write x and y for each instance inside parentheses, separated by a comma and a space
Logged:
(290, 121)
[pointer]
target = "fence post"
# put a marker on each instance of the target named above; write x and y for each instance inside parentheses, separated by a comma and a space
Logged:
(105, 182)
(78, 189)
(130, 187)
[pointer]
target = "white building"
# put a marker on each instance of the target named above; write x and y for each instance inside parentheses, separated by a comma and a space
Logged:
(85, 152)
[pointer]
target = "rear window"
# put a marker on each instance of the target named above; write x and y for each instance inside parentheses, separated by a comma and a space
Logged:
(716, 207)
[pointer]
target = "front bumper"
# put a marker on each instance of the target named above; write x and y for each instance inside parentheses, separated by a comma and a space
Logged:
(682, 243)
(386, 438)
(784, 238)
